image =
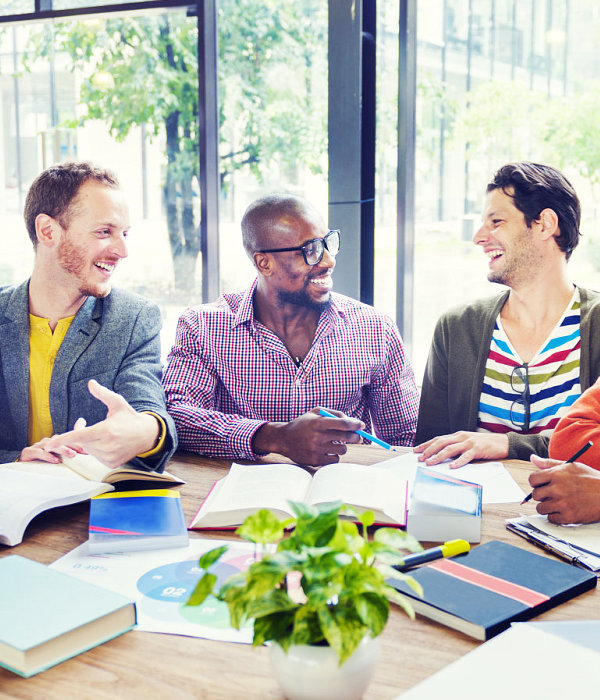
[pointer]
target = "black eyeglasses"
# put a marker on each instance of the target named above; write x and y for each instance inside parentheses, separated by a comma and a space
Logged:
(313, 250)
(519, 382)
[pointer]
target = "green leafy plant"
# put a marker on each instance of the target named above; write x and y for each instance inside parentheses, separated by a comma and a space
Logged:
(342, 594)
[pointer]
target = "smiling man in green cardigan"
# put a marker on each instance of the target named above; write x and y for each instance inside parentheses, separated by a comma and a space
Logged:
(501, 371)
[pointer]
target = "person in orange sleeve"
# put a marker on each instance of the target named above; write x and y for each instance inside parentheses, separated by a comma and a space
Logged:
(569, 492)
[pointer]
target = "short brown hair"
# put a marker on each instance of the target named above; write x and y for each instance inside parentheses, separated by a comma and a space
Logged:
(53, 191)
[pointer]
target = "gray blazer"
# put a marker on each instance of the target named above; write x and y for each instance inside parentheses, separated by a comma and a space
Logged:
(114, 340)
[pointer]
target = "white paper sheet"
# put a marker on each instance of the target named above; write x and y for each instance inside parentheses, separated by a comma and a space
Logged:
(161, 581)
(498, 484)
(523, 662)
(585, 536)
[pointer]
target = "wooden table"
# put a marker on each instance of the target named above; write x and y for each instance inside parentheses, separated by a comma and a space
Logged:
(156, 666)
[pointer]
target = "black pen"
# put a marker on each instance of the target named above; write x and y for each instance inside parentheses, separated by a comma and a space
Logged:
(578, 454)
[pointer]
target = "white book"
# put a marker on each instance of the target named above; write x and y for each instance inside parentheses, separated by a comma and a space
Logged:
(529, 660)
(444, 507)
(248, 488)
(29, 488)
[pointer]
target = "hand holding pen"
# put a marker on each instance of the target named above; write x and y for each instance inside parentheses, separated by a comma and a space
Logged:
(362, 433)
(576, 456)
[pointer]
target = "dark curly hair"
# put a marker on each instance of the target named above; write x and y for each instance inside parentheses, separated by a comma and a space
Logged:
(534, 187)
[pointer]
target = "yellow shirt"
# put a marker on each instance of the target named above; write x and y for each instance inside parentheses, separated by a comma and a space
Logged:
(43, 347)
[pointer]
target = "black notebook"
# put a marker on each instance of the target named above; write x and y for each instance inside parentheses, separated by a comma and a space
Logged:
(481, 592)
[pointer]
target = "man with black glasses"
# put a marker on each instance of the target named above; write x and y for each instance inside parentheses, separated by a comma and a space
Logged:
(247, 374)
(501, 371)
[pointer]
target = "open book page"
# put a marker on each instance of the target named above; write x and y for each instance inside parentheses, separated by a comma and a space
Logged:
(79, 468)
(59, 471)
(249, 487)
(498, 485)
(84, 466)
(130, 478)
(87, 466)
(25, 494)
(365, 487)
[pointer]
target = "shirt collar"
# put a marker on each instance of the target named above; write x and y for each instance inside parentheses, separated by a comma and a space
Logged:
(245, 310)
(333, 314)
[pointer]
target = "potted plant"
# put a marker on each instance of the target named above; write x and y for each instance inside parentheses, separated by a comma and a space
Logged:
(319, 591)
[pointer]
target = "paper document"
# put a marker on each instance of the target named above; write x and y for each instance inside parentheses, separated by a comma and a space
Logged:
(498, 485)
(586, 633)
(161, 582)
(584, 536)
(551, 543)
(508, 666)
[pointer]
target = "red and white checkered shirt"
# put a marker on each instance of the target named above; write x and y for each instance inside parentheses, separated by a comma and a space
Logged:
(227, 375)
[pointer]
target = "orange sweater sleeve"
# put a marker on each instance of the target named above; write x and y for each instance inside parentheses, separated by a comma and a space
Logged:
(579, 424)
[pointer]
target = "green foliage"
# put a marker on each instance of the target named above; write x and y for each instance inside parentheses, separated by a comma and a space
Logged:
(144, 71)
(572, 133)
(500, 120)
(272, 85)
(342, 593)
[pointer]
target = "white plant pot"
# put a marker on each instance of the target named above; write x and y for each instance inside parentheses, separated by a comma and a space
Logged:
(312, 672)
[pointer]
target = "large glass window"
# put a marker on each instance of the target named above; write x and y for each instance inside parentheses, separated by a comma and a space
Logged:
(122, 92)
(498, 81)
(386, 157)
(273, 113)
(72, 4)
(14, 7)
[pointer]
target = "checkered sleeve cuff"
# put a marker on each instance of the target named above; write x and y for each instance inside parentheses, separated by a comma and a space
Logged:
(242, 436)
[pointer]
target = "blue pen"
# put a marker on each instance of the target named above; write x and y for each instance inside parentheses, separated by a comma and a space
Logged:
(363, 433)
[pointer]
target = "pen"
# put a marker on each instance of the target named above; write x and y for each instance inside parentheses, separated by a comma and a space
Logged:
(363, 433)
(579, 452)
(448, 549)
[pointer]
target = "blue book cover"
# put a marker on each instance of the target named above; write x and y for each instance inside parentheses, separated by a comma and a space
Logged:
(47, 616)
(136, 520)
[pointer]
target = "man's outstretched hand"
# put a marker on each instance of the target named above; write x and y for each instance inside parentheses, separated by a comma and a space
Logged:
(123, 434)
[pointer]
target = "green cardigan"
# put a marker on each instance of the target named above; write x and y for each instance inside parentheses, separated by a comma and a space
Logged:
(456, 366)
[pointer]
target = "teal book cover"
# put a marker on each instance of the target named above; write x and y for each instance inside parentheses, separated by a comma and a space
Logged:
(123, 521)
(47, 616)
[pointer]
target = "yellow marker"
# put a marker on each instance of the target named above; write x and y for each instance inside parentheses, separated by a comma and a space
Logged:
(448, 549)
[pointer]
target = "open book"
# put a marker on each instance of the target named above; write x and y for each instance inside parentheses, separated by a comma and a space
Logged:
(246, 489)
(29, 488)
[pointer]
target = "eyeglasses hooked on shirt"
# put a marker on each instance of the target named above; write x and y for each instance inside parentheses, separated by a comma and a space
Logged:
(519, 382)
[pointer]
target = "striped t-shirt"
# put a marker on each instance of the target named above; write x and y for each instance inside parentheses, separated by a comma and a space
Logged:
(553, 379)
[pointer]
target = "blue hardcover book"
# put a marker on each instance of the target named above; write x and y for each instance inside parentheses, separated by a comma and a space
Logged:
(444, 507)
(47, 616)
(124, 521)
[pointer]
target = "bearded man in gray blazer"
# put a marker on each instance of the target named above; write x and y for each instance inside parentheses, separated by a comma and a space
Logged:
(80, 366)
